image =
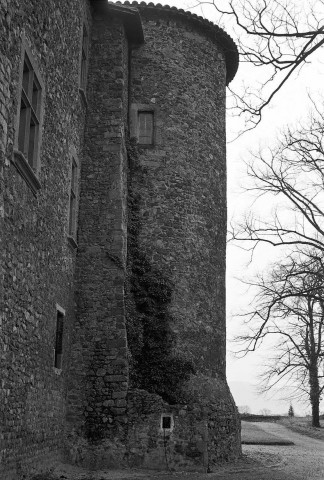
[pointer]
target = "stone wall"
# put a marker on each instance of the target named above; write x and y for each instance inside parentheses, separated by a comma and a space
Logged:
(180, 74)
(99, 370)
(151, 259)
(37, 261)
(199, 437)
(176, 315)
(142, 287)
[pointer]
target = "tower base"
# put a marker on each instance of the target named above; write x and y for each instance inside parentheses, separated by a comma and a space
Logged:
(191, 437)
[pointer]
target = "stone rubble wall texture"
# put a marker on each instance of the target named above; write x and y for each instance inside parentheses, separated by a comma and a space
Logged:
(37, 262)
(180, 186)
(181, 73)
(144, 292)
(203, 435)
(99, 371)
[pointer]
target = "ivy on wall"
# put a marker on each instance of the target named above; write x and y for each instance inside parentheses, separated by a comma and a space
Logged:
(154, 366)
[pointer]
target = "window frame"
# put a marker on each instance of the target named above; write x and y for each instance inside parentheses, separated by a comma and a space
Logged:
(165, 430)
(58, 356)
(84, 61)
(135, 110)
(150, 113)
(29, 168)
(73, 203)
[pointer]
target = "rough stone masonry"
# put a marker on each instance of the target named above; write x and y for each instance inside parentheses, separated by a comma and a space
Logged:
(113, 224)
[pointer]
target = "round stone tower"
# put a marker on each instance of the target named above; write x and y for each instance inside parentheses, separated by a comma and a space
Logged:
(147, 364)
(177, 222)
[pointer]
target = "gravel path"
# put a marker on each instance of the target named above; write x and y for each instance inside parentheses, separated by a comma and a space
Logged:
(302, 461)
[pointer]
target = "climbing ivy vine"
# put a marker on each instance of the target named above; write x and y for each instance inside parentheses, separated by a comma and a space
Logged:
(153, 364)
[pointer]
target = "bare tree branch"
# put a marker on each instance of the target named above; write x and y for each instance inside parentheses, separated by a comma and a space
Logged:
(280, 36)
(292, 173)
(289, 307)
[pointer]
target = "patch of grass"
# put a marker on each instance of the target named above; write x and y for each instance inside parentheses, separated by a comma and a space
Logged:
(252, 434)
(303, 425)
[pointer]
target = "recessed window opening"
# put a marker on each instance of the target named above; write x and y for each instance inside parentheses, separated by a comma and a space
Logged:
(145, 128)
(29, 117)
(59, 340)
(166, 423)
(84, 59)
(73, 199)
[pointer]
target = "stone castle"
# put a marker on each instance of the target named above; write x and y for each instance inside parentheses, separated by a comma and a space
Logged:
(112, 230)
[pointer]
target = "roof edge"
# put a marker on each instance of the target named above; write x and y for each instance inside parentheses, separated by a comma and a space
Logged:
(222, 38)
(130, 16)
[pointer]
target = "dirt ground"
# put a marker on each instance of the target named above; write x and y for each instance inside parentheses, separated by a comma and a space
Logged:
(304, 460)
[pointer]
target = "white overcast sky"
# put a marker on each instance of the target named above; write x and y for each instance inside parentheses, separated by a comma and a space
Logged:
(288, 106)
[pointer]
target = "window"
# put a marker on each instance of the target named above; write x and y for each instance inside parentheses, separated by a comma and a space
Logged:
(145, 124)
(166, 423)
(72, 230)
(29, 116)
(29, 120)
(84, 59)
(58, 350)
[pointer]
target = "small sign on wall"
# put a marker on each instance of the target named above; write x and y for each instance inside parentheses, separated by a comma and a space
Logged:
(166, 423)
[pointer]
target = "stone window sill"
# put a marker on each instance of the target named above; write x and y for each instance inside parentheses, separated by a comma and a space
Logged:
(26, 172)
(83, 97)
(72, 242)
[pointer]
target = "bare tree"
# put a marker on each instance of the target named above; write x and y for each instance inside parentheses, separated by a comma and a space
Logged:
(244, 409)
(292, 175)
(281, 36)
(289, 307)
(266, 412)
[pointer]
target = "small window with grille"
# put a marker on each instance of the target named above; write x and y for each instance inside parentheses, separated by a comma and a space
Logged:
(145, 122)
(58, 349)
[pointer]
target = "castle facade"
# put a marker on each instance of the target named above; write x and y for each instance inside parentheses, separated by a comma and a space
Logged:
(112, 231)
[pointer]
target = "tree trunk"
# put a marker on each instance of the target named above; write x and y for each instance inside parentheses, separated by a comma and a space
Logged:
(315, 414)
(314, 394)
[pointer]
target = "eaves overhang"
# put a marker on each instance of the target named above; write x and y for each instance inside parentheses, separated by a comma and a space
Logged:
(130, 16)
(219, 35)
